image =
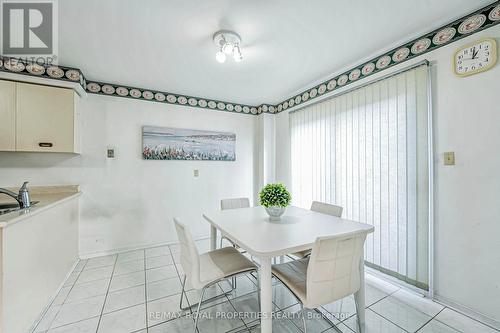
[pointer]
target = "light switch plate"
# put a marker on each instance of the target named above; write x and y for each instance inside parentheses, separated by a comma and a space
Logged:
(196, 173)
(449, 158)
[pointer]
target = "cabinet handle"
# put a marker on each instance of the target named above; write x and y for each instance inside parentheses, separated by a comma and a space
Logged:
(45, 144)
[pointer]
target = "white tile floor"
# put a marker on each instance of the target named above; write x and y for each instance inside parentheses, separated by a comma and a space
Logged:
(139, 291)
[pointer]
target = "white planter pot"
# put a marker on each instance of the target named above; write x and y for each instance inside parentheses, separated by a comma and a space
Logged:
(275, 212)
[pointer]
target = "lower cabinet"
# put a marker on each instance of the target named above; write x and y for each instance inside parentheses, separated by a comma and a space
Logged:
(36, 256)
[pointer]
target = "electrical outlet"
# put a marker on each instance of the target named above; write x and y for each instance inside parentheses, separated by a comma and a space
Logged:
(111, 153)
(449, 158)
(196, 173)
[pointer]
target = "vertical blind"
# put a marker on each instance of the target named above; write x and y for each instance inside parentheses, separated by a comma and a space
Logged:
(367, 151)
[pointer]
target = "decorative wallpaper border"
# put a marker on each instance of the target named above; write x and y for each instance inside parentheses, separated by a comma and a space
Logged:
(477, 21)
(117, 90)
(61, 73)
(484, 18)
(75, 75)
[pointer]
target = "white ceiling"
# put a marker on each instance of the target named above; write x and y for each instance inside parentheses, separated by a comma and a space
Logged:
(287, 44)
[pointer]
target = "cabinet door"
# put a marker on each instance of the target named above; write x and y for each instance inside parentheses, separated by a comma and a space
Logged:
(45, 119)
(7, 116)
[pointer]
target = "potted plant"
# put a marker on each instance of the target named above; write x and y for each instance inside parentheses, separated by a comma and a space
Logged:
(275, 198)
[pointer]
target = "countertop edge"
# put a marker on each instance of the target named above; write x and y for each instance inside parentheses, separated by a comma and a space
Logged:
(36, 210)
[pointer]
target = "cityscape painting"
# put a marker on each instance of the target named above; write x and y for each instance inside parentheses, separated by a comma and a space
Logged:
(164, 143)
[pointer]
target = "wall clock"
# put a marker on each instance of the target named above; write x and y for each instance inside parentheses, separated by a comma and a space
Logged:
(476, 57)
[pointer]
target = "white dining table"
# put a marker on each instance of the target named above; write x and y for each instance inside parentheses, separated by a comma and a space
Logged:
(252, 230)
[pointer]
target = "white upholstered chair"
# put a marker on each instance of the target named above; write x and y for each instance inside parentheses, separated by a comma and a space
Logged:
(330, 273)
(233, 203)
(322, 208)
(325, 208)
(204, 270)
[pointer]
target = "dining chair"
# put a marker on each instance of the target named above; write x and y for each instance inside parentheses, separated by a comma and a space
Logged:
(233, 203)
(322, 208)
(330, 273)
(209, 268)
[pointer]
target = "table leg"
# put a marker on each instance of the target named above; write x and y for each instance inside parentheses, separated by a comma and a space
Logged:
(213, 238)
(359, 297)
(266, 293)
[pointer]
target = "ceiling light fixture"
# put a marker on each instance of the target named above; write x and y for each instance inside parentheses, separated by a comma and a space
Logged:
(220, 56)
(237, 54)
(228, 43)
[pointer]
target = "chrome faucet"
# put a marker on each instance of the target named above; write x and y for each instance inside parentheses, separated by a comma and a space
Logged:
(23, 197)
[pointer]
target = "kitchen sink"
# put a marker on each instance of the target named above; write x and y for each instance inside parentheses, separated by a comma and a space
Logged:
(9, 205)
(12, 207)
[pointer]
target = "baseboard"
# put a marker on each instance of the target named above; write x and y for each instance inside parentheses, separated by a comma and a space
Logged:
(439, 299)
(130, 248)
(32, 329)
(392, 280)
(467, 312)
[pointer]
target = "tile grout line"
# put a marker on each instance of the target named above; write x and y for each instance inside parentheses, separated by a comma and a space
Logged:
(380, 300)
(408, 305)
(130, 287)
(369, 306)
(247, 325)
(178, 276)
(74, 283)
(64, 301)
(340, 323)
(238, 328)
(283, 311)
(390, 321)
(111, 292)
(171, 278)
(225, 299)
(234, 307)
(366, 308)
(79, 272)
(72, 323)
(420, 328)
(106, 297)
(124, 308)
(465, 315)
(127, 307)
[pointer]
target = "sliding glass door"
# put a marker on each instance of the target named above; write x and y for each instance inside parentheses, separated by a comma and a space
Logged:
(367, 151)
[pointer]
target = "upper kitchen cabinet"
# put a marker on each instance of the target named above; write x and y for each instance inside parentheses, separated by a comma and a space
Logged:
(45, 119)
(7, 116)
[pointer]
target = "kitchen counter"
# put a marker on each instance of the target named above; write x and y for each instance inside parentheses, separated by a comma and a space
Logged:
(48, 197)
(38, 249)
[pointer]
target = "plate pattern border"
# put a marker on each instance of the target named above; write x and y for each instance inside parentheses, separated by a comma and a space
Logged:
(455, 24)
(206, 103)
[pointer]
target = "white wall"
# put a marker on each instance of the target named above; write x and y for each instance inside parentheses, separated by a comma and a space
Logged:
(265, 152)
(467, 195)
(129, 202)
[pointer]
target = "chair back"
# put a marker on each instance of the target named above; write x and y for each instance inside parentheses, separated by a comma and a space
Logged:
(190, 258)
(333, 271)
(234, 203)
(325, 208)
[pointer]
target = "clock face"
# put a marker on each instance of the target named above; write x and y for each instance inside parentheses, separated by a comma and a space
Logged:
(475, 58)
